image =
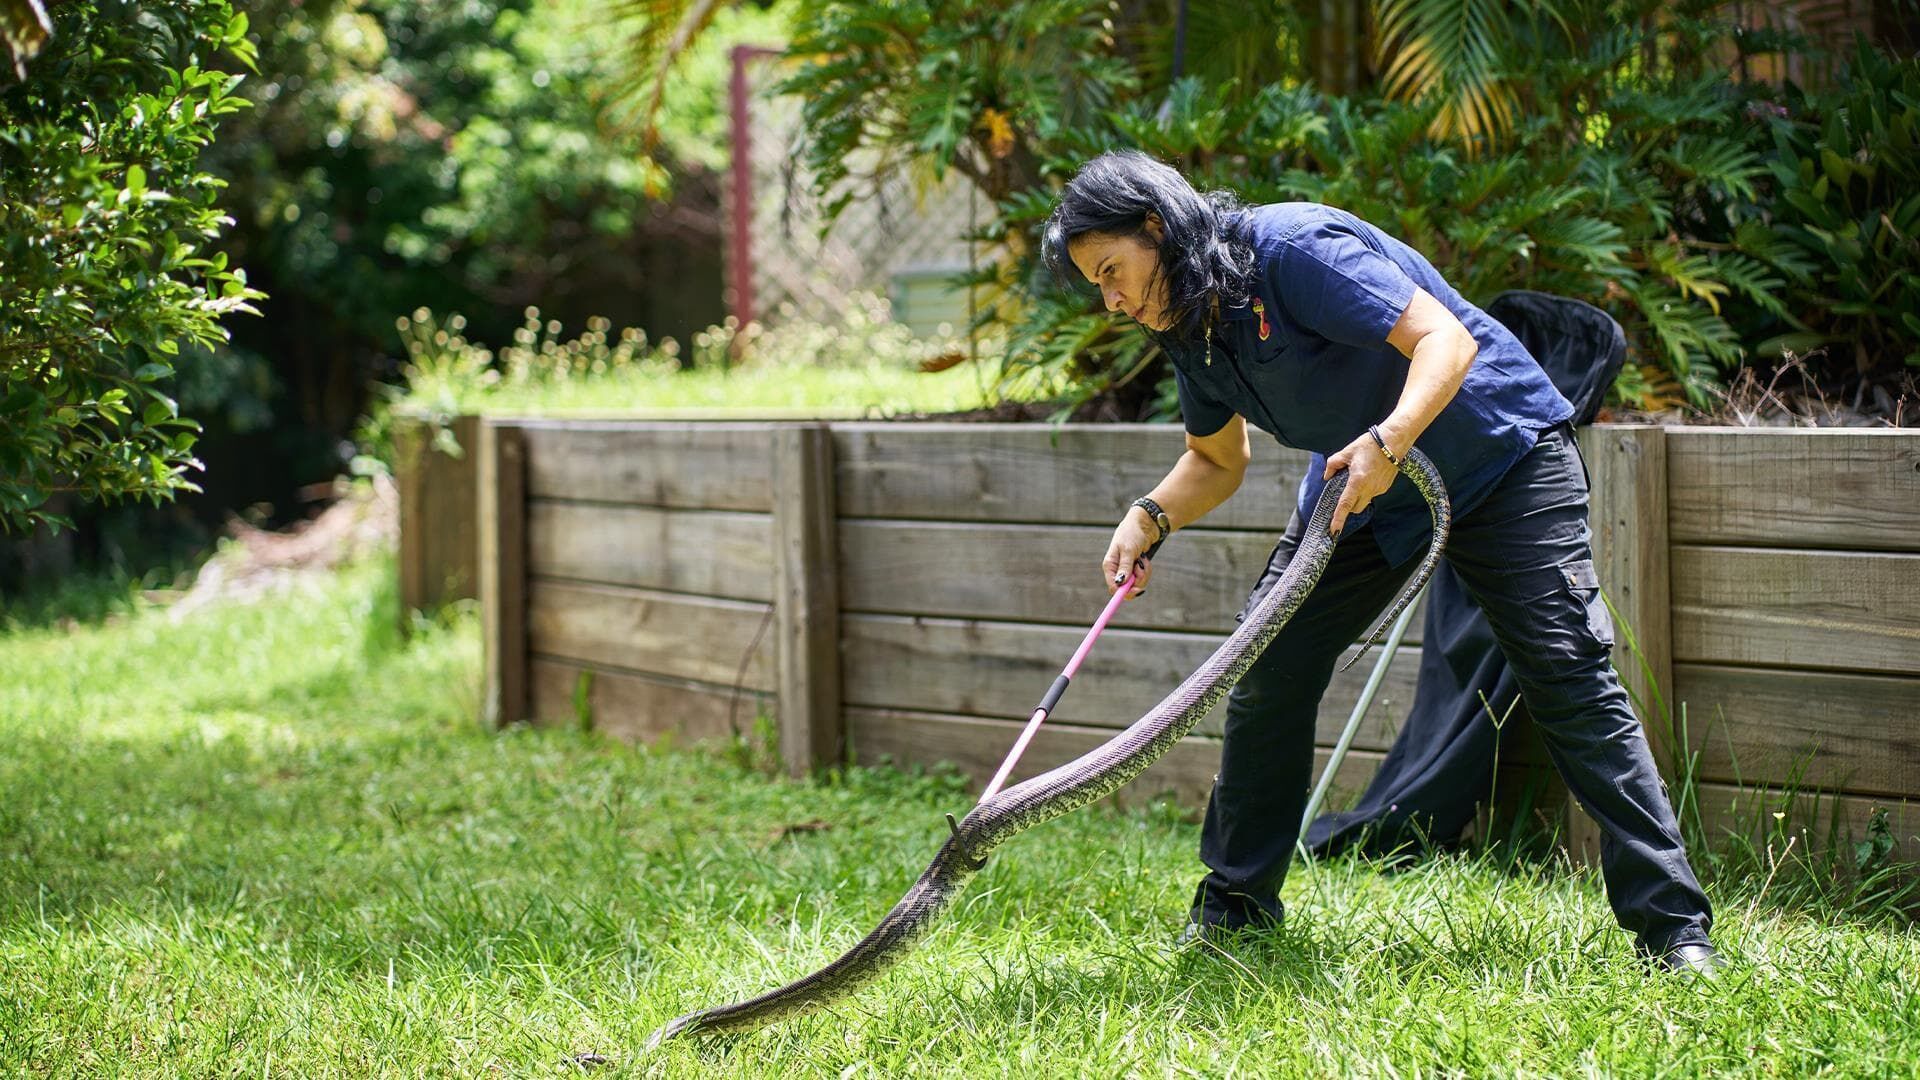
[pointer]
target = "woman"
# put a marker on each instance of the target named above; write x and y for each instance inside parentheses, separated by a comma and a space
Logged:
(1340, 340)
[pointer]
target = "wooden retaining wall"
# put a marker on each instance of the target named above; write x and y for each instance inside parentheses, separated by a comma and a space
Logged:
(1795, 623)
(439, 543)
(907, 592)
(970, 570)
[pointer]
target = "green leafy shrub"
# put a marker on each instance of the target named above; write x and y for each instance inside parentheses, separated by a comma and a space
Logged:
(448, 155)
(1842, 221)
(1613, 190)
(1612, 159)
(859, 359)
(105, 226)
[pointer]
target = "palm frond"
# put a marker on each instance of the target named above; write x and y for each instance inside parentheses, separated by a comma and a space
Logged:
(1450, 52)
(1723, 161)
(656, 34)
(1595, 245)
(1693, 275)
(1755, 280)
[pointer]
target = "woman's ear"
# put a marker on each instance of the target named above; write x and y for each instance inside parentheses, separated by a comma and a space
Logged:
(1155, 228)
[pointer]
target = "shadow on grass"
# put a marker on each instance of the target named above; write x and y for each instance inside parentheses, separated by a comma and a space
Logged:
(342, 844)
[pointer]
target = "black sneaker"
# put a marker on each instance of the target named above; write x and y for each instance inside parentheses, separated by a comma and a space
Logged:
(1194, 933)
(1219, 935)
(1696, 960)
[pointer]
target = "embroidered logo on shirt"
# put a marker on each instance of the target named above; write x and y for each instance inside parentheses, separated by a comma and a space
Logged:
(1260, 309)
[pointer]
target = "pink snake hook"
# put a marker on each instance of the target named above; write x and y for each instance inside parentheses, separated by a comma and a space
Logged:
(1059, 687)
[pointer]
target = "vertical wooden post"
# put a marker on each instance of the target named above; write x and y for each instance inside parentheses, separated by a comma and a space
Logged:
(503, 571)
(409, 450)
(1628, 466)
(806, 598)
(453, 564)
(439, 547)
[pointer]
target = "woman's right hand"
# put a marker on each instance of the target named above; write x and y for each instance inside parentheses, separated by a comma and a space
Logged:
(1134, 535)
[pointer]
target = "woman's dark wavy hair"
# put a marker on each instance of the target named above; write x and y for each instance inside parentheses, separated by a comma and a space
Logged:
(1203, 257)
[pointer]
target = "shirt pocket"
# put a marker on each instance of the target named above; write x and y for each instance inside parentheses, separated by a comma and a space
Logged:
(1271, 351)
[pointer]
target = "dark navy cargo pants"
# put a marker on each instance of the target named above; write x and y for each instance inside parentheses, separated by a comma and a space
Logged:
(1525, 555)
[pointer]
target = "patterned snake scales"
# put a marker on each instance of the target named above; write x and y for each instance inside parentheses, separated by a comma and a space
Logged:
(1092, 776)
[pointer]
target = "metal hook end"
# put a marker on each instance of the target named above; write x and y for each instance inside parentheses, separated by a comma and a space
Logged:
(976, 864)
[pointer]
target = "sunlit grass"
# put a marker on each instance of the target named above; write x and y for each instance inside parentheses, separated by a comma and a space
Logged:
(854, 361)
(270, 839)
(863, 390)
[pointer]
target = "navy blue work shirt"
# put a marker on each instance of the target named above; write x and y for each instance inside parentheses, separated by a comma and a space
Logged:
(1307, 360)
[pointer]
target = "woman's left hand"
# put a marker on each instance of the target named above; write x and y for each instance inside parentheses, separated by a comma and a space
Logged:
(1369, 475)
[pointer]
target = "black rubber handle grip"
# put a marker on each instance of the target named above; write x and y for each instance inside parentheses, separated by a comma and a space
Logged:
(1054, 694)
(1154, 550)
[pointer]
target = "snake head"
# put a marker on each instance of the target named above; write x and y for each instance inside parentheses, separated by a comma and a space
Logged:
(678, 1026)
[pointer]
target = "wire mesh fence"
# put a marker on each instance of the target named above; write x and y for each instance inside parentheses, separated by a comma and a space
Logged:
(903, 237)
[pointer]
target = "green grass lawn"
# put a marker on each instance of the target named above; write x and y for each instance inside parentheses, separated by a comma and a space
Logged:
(863, 390)
(854, 361)
(270, 840)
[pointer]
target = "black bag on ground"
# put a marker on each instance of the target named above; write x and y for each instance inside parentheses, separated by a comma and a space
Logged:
(1441, 764)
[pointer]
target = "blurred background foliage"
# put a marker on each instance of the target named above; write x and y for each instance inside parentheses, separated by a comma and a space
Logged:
(1736, 182)
(858, 364)
(1603, 149)
(404, 153)
(390, 154)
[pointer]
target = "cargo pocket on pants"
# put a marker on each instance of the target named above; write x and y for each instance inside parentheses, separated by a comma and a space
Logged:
(1584, 582)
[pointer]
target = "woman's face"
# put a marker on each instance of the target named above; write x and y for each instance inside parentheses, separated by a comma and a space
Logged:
(1126, 269)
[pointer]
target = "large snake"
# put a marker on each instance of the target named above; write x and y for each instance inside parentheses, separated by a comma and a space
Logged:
(1092, 776)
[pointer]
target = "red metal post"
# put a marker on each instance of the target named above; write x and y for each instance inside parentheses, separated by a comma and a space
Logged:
(740, 241)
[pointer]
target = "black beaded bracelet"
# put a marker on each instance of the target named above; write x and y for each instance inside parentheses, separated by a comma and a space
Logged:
(1374, 430)
(1157, 515)
(1160, 523)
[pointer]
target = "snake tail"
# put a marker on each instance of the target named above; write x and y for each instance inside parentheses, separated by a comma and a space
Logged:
(1090, 777)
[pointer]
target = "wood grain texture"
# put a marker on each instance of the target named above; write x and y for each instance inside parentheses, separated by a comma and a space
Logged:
(806, 598)
(410, 447)
(642, 630)
(1855, 733)
(1811, 655)
(1627, 464)
(503, 574)
(1769, 607)
(713, 554)
(1814, 821)
(976, 747)
(1083, 474)
(439, 547)
(1000, 670)
(694, 466)
(1042, 573)
(1830, 488)
(640, 708)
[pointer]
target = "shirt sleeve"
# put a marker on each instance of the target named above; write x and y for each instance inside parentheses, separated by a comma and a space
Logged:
(1337, 285)
(1201, 414)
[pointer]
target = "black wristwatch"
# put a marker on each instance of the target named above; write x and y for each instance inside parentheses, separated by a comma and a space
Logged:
(1160, 521)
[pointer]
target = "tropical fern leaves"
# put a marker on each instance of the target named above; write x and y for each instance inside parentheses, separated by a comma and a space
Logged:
(1594, 148)
(1455, 55)
(981, 86)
